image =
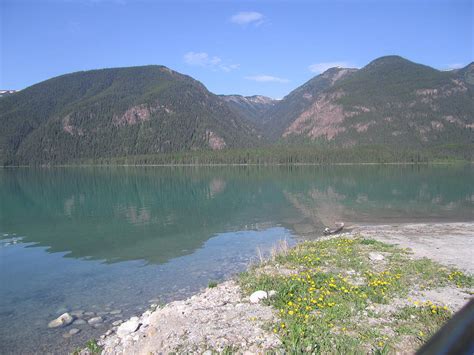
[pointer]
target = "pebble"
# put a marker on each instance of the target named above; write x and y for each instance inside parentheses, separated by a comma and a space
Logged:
(62, 321)
(116, 311)
(89, 314)
(95, 320)
(79, 322)
(74, 331)
(376, 256)
(117, 322)
(257, 296)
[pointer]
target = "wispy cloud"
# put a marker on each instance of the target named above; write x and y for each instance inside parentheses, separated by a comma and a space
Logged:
(267, 79)
(248, 17)
(202, 59)
(322, 67)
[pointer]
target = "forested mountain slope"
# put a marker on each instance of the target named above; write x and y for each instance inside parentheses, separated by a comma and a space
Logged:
(116, 112)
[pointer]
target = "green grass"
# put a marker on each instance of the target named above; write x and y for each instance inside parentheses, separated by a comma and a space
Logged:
(212, 284)
(324, 306)
(420, 322)
(92, 346)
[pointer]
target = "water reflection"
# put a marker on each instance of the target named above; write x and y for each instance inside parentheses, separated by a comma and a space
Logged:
(156, 214)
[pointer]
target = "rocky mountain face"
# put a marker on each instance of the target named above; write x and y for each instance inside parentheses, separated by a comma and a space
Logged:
(116, 112)
(254, 109)
(284, 112)
(391, 101)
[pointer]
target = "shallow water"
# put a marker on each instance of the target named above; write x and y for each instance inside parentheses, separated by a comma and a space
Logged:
(104, 239)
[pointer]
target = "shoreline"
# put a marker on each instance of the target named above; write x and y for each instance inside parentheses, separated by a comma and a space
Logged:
(449, 162)
(222, 317)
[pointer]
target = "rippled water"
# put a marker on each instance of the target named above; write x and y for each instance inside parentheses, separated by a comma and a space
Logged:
(104, 239)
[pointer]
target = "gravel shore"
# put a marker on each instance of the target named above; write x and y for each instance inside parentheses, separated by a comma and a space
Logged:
(221, 318)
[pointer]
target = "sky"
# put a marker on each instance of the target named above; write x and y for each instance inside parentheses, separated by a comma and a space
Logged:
(232, 47)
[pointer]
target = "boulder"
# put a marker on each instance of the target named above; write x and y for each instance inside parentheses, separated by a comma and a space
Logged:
(257, 296)
(62, 321)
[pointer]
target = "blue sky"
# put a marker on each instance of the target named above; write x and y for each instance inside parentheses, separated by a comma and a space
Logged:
(244, 47)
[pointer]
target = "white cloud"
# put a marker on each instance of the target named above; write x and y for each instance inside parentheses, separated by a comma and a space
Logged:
(267, 79)
(322, 67)
(245, 18)
(202, 59)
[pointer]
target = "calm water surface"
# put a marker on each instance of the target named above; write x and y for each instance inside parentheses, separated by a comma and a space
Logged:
(104, 239)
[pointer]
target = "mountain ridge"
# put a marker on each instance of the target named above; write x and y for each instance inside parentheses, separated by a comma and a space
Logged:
(391, 102)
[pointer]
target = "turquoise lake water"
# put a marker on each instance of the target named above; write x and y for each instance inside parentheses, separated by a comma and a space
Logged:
(103, 239)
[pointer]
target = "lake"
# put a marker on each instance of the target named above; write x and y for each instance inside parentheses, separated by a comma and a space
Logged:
(114, 240)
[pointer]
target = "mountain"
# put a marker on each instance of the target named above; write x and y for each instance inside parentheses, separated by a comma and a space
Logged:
(252, 108)
(116, 112)
(142, 111)
(391, 102)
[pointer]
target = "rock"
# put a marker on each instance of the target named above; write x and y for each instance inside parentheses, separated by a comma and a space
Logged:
(376, 256)
(128, 327)
(89, 314)
(117, 322)
(74, 331)
(257, 296)
(62, 310)
(207, 352)
(95, 320)
(272, 293)
(62, 321)
(116, 311)
(77, 314)
(79, 322)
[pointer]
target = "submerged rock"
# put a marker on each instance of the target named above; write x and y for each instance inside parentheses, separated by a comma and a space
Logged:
(79, 322)
(257, 296)
(74, 331)
(95, 320)
(62, 321)
(77, 314)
